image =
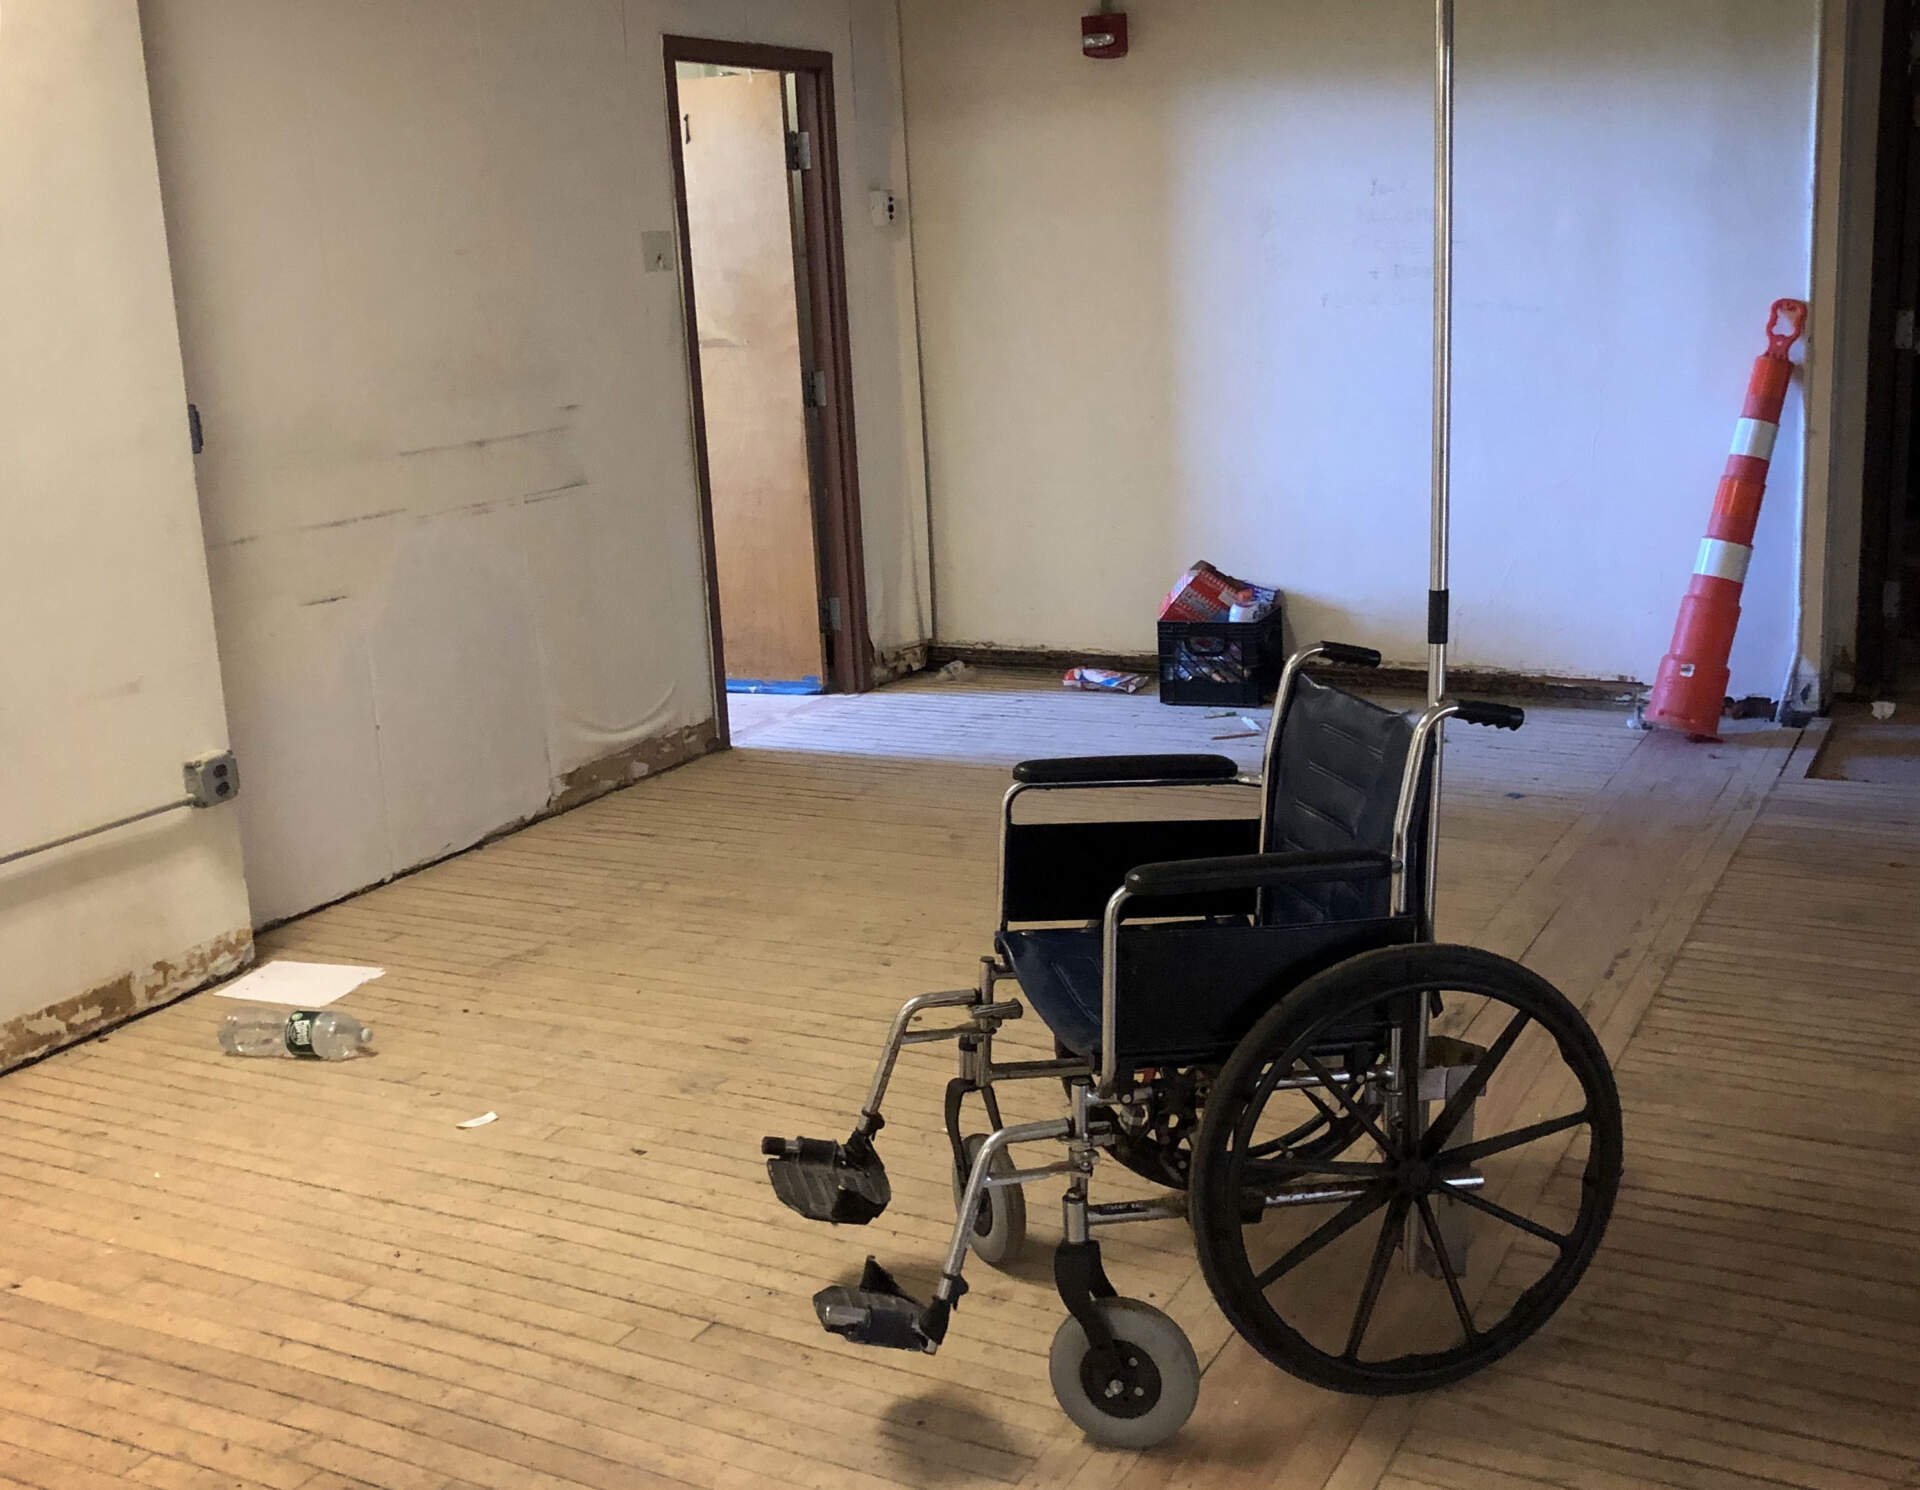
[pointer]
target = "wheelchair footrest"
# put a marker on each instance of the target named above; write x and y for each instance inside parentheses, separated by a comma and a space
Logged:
(844, 1183)
(879, 1312)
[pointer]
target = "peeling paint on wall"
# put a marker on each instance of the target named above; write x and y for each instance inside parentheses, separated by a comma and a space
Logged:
(624, 767)
(899, 662)
(33, 1035)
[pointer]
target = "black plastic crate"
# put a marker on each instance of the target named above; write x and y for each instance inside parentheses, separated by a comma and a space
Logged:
(1229, 664)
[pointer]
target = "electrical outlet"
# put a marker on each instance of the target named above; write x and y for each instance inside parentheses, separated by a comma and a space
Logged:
(212, 778)
(657, 249)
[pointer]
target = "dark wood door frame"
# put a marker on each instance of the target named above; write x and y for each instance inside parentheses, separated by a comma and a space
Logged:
(837, 501)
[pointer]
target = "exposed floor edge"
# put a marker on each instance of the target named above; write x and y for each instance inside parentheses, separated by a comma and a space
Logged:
(1805, 758)
(1482, 680)
(30, 1037)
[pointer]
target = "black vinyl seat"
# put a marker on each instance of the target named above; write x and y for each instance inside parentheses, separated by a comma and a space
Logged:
(1059, 972)
(1192, 985)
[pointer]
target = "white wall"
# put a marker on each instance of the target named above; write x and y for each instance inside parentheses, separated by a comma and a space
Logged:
(108, 679)
(449, 483)
(1177, 306)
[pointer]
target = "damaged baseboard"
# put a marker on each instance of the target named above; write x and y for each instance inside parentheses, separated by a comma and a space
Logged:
(641, 761)
(895, 663)
(643, 758)
(31, 1036)
(1393, 677)
(982, 654)
(28, 1037)
(1499, 682)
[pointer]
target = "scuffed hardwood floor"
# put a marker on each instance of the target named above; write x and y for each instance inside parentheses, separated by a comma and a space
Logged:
(231, 1273)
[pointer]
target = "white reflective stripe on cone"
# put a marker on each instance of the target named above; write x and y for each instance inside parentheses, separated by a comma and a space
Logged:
(1723, 560)
(1755, 437)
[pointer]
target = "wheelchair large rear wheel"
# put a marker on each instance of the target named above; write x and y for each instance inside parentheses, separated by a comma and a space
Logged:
(1429, 1249)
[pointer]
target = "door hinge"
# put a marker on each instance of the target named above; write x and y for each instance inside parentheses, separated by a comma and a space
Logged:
(814, 390)
(830, 613)
(799, 150)
(1903, 331)
(195, 435)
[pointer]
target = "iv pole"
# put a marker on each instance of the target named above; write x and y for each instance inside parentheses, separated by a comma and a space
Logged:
(1410, 1039)
(1437, 598)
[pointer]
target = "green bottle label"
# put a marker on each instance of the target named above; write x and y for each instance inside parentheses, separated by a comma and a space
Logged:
(300, 1034)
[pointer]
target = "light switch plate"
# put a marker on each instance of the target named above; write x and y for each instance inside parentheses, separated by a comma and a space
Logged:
(658, 250)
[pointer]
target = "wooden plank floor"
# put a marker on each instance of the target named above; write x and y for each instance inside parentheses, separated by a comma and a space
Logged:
(228, 1273)
(1753, 1318)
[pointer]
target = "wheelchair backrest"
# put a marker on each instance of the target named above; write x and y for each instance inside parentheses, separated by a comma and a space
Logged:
(1334, 783)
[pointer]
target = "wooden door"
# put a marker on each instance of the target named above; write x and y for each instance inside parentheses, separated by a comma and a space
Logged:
(740, 246)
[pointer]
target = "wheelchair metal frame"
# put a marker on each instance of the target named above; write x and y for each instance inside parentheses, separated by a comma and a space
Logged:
(1092, 1085)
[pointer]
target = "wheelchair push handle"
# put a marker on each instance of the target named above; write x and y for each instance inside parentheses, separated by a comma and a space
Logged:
(1349, 656)
(1495, 716)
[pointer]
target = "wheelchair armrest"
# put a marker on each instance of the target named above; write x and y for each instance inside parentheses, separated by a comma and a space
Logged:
(1083, 770)
(1256, 871)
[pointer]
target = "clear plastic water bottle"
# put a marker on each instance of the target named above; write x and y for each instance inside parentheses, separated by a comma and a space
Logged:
(309, 1034)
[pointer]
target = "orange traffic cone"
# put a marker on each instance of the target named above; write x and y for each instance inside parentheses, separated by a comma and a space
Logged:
(1692, 682)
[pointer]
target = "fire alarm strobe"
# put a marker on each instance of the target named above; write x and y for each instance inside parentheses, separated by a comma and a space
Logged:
(1104, 35)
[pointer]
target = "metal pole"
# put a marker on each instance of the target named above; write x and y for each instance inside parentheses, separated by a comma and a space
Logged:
(1410, 1063)
(119, 822)
(1438, 600)
(1442, 345)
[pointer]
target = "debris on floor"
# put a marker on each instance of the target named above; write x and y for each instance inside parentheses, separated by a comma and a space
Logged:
(478, 1122)
(955, 669)
(1882, 709)
(299, 985)
(1103, 680)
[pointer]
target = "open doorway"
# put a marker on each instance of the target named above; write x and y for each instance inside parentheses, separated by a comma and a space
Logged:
(764, 280)
(1889, 616)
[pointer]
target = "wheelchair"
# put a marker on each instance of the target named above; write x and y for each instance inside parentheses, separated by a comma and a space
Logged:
(1252, 1012)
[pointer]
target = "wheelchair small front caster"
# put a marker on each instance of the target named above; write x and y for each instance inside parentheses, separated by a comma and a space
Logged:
(1139, 1394)
(1000, 1227)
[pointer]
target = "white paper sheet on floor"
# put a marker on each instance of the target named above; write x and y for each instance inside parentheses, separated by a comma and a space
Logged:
(300, 985)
